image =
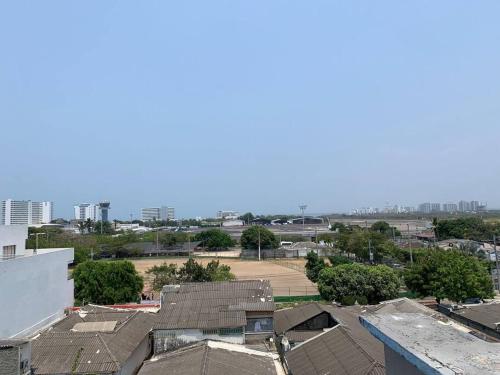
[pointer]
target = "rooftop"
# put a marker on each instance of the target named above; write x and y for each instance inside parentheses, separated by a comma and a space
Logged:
(332, 352)
(430, 341)
(213, 304)
(287, 319)
(213, 358)
(487, 314)
(108, 339)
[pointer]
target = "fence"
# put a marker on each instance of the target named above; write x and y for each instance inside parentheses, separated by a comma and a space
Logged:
(295, 291)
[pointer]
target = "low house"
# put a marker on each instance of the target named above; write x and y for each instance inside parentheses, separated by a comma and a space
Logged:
(94, 340)
(15, 357)
(214, 358)
(418, 340)
(484, 317)
(332, 352)
(236, 312)
(298, 324)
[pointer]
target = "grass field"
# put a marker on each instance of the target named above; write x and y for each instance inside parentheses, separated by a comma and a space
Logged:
(287, 277)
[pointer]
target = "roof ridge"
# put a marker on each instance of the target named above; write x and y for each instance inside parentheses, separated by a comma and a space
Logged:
(108, 350)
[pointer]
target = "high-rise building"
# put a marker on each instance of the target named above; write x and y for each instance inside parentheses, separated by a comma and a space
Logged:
(85, 211)
(464, 206)
(424, 208)
(474, 206)
(435, 207)
(167, 213)
(158, 213)
(450, 207)
(104, 208)
(150, 214)
(25, 212)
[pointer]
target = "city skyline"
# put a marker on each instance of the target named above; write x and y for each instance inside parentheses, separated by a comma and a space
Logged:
(234, 106)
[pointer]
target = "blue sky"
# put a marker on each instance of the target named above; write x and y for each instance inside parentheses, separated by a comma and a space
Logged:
(249, 105)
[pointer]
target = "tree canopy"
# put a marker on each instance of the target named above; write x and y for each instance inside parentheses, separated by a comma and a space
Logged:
(191, 271)
(472, 228)
(449, 274)
(250, 238)
(313, 266)
(214, 239)
(348, 283)
(107, 283)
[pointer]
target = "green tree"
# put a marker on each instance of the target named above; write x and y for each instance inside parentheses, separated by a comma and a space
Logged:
(247, 217)
(103, 227)
(313, 266)
(250, 238)
(358, 282)
(449, 274)
(339, 227)
(336, 260)
(161, 275)
(215, 239)
(107, 283)
(219, 272)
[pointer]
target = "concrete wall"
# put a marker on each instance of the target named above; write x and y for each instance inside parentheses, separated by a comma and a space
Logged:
(164, 339)
(141, 353)
(34, 291)
(395, 364)
(13, 235)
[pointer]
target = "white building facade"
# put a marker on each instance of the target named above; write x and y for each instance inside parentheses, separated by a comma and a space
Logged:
(14, 212)
(157, 213)
(85, 211)
(35, 287)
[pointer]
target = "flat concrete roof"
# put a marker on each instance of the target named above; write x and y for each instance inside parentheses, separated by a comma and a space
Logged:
(434, 346)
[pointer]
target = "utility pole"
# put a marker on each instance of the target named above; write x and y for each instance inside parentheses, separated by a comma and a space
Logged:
(302, 209)
(259, 242)
(157, 242)
(370, 250)
(189, 244)
(496, 260)
(409, 243)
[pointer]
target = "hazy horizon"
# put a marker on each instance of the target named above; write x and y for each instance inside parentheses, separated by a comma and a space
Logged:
(252, 106)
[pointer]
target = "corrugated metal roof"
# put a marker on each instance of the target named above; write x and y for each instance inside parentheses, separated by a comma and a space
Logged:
(201, 359)
(333, 352)
(287, 319)
(213, 304)
(62, 351)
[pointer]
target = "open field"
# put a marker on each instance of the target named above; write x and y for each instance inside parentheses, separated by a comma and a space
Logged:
(286, 277)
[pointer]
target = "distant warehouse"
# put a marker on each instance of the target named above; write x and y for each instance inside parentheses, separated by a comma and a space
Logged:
(308, 220)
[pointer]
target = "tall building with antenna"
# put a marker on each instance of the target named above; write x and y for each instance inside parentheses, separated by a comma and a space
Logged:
(104, 208)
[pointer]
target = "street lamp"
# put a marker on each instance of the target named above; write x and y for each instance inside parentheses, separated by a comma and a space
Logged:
(36, 240)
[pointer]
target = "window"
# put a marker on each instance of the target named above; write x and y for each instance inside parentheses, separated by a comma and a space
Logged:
(9, 251)
(259, 325)
(230, 331)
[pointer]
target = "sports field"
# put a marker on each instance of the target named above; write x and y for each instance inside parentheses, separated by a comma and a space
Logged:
(287, 277)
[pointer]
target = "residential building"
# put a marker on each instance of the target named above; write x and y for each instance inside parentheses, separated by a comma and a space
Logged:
(484, 317)
(167, 213)
(214, 358)
(464, 206)
(158, 213)
(332, 352)
(15, 357)
(435, 207)
(25, 212)
(85, 211)
(450, 207)
(38, 278)
(150, 214)
(94, 340)
(236, 312)
(418, 340)
(424, 208)
(227, 215)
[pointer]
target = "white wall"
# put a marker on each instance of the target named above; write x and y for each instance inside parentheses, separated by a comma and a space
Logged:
(192, 335)
(13, 235)
(34, 291)
(140, 354)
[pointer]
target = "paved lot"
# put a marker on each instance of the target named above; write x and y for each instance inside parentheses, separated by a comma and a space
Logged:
(287, 277)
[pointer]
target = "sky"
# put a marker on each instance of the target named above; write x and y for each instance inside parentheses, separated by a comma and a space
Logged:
(249, 105)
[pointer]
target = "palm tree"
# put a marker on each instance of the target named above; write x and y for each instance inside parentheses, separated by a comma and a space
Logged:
(81, 227)
(89, 224)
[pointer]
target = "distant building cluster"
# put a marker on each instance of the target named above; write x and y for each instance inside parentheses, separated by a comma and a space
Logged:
(25, 212)
(227, 215)
(162, 213)
(425, 208)
(92, 211)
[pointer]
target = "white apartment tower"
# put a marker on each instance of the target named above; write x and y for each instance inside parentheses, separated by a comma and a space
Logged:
(85, 211)
(25, 212)
(157, 213)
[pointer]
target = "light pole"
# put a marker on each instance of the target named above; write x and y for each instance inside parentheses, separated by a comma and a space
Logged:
(302, 209)
(36, 240)
(496, 260)
(259, 241)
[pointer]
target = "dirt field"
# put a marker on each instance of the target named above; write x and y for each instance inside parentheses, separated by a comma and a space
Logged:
(287, 276)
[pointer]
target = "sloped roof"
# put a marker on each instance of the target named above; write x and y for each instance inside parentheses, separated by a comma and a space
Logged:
(213, 304)
(486, 314)
(210, 358)
(332, 352)
(287, 319)
(61, 350)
